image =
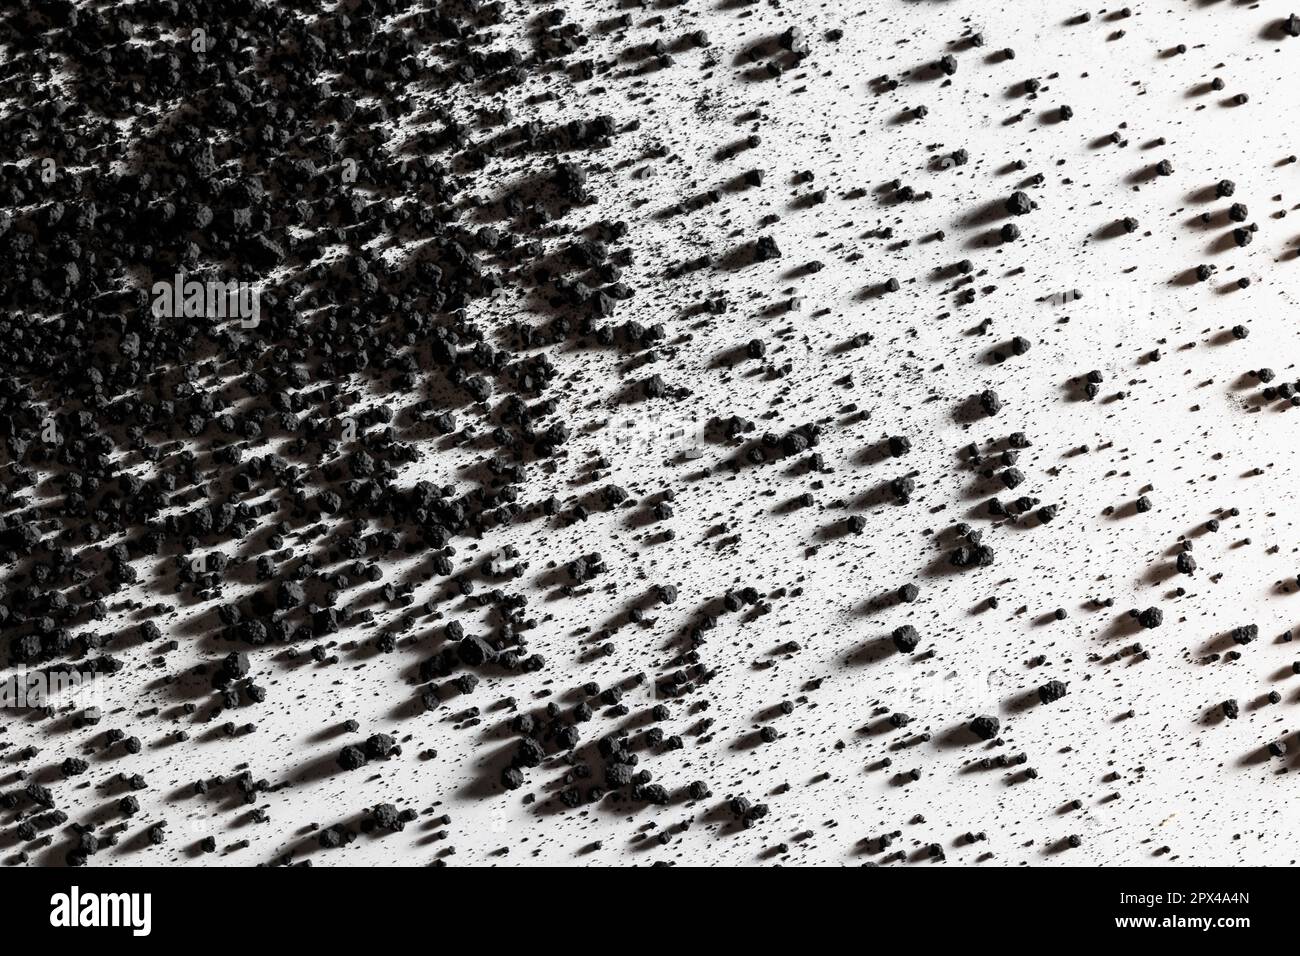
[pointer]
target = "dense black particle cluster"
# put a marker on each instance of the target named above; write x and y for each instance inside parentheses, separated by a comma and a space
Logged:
(261, 151)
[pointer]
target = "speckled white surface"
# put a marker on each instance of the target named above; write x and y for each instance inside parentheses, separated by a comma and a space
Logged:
(1166, 785)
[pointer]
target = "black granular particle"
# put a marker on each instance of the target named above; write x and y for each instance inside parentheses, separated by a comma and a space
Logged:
(1230, 709)
(766, 248)
(1245, 634)
(985, 727)
(1019, 204)
(381, 746)
(351, 758)
(1151, 618)
(906, 638)
(1051, 692)
(990, 402)
(512, 778)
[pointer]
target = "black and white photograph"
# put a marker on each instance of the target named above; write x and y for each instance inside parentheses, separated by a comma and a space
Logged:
(538, 434)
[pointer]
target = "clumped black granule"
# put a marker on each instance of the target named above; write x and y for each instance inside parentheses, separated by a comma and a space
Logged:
(906, 638)
(1051, 692)
(1151, 618)
(1245, 634)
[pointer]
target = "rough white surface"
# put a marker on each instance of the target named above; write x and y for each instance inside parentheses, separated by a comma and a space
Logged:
(1188, 435)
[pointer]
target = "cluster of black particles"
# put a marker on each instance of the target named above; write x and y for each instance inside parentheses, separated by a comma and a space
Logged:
(171, 439)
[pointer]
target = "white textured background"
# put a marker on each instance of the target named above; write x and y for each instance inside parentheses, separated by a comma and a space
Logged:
(1190, 429)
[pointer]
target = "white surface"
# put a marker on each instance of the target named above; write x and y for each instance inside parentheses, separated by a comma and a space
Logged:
(1181, 782)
